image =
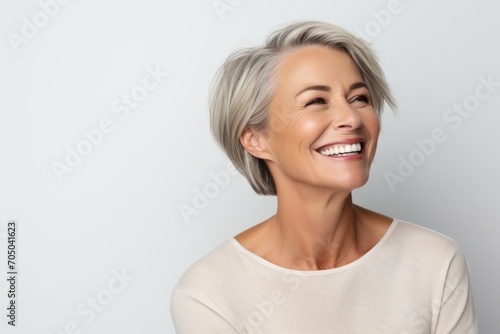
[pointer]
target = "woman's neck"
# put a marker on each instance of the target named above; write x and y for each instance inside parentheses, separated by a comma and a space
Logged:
(315, 230)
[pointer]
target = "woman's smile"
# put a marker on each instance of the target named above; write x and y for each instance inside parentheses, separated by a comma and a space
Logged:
(351, 149)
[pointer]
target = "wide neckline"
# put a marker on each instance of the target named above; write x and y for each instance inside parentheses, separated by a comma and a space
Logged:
(348, 266)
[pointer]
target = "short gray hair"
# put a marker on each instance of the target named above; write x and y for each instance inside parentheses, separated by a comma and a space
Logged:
(244, 86)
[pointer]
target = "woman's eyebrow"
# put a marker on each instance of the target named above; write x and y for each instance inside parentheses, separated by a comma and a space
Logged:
(356, 85)
(323, 88)
(316, 87)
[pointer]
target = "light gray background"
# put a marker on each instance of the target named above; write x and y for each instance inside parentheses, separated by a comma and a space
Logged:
(119, 209)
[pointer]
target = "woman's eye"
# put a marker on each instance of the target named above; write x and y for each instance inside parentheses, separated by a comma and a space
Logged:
(361, 98)
(317, 100)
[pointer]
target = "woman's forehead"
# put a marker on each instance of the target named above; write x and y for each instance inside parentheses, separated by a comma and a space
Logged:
(314, 65)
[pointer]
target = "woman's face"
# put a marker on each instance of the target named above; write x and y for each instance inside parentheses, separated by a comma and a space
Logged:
(323, 130)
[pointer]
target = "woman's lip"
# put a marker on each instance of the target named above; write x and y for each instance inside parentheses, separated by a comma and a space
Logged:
(342, 142)
(349, 157)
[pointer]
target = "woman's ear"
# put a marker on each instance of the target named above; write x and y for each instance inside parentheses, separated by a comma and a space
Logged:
(254, 142)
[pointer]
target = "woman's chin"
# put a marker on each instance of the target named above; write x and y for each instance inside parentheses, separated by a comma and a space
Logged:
(348, 182)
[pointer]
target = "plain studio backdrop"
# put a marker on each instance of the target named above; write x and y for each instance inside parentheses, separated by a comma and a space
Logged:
(109, 169)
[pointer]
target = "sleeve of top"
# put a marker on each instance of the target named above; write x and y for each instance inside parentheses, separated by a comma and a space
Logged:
(192, 315)
(456, 311)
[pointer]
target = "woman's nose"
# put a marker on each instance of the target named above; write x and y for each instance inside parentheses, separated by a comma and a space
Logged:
(345, 117)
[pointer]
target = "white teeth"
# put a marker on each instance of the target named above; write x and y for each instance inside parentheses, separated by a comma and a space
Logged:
(342, 149)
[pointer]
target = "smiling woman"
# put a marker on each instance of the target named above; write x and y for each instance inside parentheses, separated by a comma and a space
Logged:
(299, 118)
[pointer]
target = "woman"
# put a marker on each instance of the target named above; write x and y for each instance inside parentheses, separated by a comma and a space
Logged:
(299, 118)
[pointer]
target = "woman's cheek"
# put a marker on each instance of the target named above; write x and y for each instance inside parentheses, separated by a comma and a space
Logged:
(306, 126)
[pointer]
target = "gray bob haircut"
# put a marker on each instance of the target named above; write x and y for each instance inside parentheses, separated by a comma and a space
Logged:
(244, 86)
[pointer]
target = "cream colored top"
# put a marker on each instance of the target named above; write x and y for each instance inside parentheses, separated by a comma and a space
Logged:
(413, 281)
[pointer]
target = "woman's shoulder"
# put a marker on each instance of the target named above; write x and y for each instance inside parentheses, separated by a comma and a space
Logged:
(211, 286)
(201, 293)
(403, 235)
(404, 239)
(208, 268)
(416, 238)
